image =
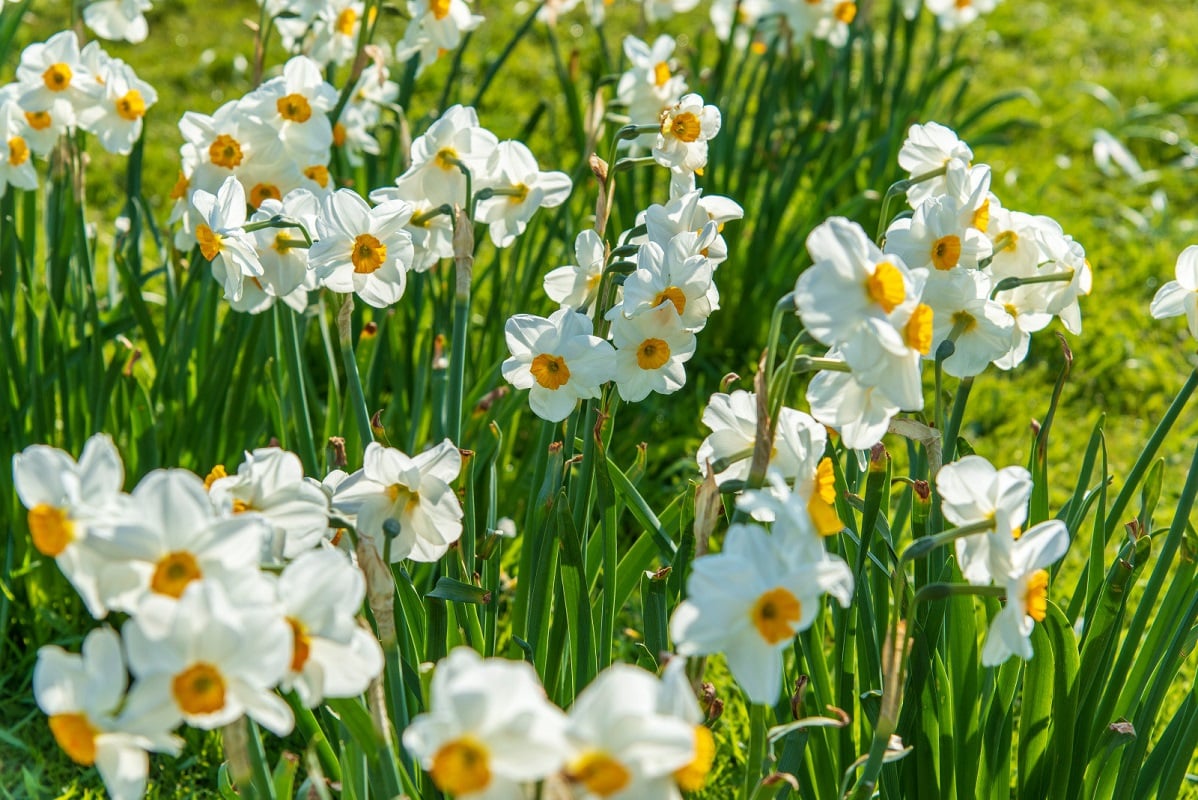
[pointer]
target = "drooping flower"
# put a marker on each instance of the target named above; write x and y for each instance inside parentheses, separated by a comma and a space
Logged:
(972, 491)
(1026, 579)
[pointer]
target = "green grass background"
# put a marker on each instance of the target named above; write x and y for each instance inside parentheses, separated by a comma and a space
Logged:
(1122, 66)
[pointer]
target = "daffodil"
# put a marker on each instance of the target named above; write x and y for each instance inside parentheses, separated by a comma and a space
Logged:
(207, 661)
(928, 148)
(283, 254)
(66, 500)
(652, 82)
(623, 747)
(83, 695)
(521, 188)
(1180, 296)
(1026, 580)
(118, 19)
(221, 238)
(973, 492)
(671, 275)
(686, 127)
(558, 360)
(270, 483)
(436, 27)
(320, 594)
(297, 105)
(121, 104)
(455, 138)
(952, 14)
(979, 327)
(651, 349)
(53, 77)
(690, 212)
(938, 236)
(489, 730)
(859, 411)
(363, 250)
(576, 286)
(749, 601)
(411, 493)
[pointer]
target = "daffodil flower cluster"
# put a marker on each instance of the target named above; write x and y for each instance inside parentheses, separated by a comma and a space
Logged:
(313, 237)
(234, 586)
(59, 89)
(657, 311)
(961, 280)
(490, 733)
(974, 493)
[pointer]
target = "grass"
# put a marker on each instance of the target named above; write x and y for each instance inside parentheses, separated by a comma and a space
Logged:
(1127, 365)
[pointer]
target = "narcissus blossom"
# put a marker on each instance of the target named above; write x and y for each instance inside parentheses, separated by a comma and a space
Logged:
(412, 493)
(82, 695)
(686, 128)
(513, 170)
(363, 250)
(1026, 579)
(557, 360)
(576, 286)
(118, 19)
(930, 147)
(1180, 297)
(206, 661)
(651, 84)
(221, 238)
(972, 491)
(749, 601)
(651, 349)
(674, 275)
(489, 730)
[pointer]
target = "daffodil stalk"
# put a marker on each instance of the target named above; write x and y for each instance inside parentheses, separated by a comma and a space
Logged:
(315, 736)
(463, 262)
(899, 189)
(357, 397)
(757, 742)
(365, 34)
(923, 546)
(293, 354)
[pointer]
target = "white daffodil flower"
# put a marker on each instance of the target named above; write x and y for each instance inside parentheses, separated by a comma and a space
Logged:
(53, 78)
(939, 236)
(651, 84)
(558, 360)
(623, 747)
(66, 500)
(671, 275)
(362, 250)
(962, 309)
(657, 10)
(455, 138)
(749, 601)
(513, 170)
(270, 483)
(81, 694)
(1026, 580)
(117, 20)
(320, 594)
(207, 661)
(297, 105)
(489, 730)
(171, 536)
(576, 286)
(686, 127)
(651, 349)
(972, 491)
(431, 231)
(412, 492)
(1065, 257)
(928, 148)
(284, 258)
(861, 412)
(121, 103)
(677, 699)
(436, 28)
(953, 14)
(1180, 296)
(222, 239)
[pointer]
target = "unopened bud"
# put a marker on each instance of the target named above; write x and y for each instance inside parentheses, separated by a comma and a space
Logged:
(337, 445)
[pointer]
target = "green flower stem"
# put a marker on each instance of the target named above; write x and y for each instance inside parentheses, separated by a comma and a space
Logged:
(1007, 284)
(786, 303)
(293, 353)
(803, 363)
(310, 727)
(921, 547)
(899, 189)
(357, 397)
(756, 755)
(365, 32)
(527, 539)
(463, 259)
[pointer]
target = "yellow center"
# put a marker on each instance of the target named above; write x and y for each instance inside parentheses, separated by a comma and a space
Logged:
(209, 241)
(846, 12)
(57, 77)
(946, 252)
(38, 120)
(76, 736)
(294, 107)
(550, 371)
(918, 332)
(216, 474)
(600, 773)
(966, 321)
(174, 572)
(661, 74)
(1035, 596)
(774, 615)
(1011, 309)
(440, 8)
(692, 777)
(461, 766)
(18, 151)
(652, 354)
(346, 21)
(981, 217)
(368, 254)
(225, 151)
(674, 295)
(339, 135)
(131, 106)
(822, 505)
(963, 4)
(179, 190)
(445, 158)
(199, 689)
(282, 245)
(319, 174)
(264, 191)
(685, 127)
(301, 644)
(886, 286)
(51, 529)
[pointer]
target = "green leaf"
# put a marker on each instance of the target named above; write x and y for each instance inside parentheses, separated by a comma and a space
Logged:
(459, 592)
